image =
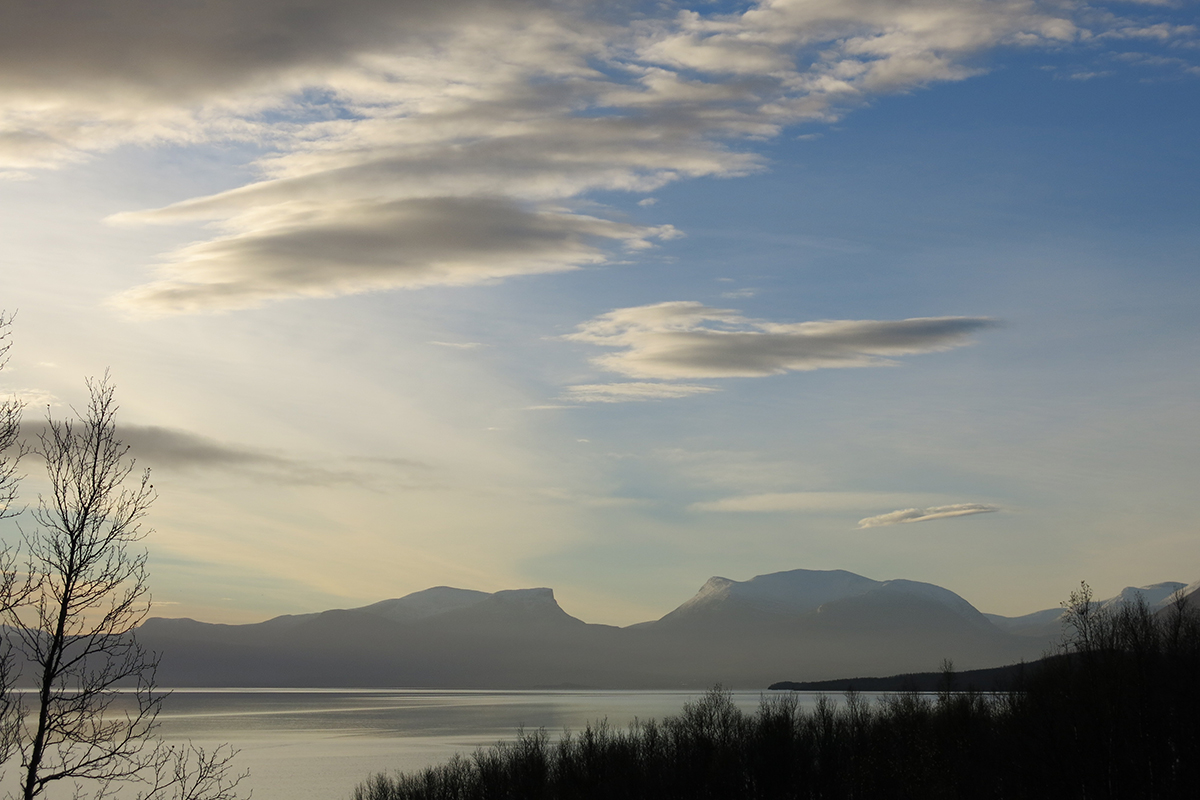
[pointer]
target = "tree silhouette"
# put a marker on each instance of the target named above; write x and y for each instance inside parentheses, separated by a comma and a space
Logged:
(70, 607)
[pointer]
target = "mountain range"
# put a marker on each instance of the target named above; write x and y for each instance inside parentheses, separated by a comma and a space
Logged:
(799, 624)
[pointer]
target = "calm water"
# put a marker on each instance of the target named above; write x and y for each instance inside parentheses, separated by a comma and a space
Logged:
(315, 744)
(310, 744)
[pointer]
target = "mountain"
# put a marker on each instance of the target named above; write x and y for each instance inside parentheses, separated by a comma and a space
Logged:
(432, 638)
(803, 624)
(1048, 622)
(1156, 595)
(1191, 593)
(781, 593)
(827, 624)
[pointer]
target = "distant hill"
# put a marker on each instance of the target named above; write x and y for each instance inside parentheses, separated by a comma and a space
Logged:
(808, 624)
(1048, 623)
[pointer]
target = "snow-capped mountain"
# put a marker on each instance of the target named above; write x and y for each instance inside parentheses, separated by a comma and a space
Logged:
(804, 591)
(794, 625)
(798, 591)
(1048, 622)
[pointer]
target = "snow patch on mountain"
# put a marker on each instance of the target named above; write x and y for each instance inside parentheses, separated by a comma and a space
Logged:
(1156, 595)
(804, 591)
(798, 591)
(1048, 622)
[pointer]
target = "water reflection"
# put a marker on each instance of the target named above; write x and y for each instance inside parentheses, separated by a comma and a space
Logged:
(317, 744)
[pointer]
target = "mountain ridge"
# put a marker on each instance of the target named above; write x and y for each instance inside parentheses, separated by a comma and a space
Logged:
(815, 624)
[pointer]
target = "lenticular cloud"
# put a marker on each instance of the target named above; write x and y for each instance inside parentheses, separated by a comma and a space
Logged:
(338, 249)
(925, 514)
(689, 340)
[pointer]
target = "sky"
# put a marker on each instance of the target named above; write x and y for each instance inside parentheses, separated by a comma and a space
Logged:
(614, 297)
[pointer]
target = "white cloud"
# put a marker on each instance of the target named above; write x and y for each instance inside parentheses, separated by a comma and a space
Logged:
(685, 339)
(1161, 31)
(631, 391)
(925, 514)
(31, 398)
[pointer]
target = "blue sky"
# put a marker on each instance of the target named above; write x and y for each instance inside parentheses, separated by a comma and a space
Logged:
(522, 295)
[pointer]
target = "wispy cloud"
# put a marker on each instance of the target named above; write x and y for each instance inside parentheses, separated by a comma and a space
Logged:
(32, 398)
(179, 450)
(175, 449)
(925, 514)
(411, 144)
(631, 391)
(689, 340)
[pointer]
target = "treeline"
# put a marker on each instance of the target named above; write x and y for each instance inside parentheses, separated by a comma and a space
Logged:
(992, 679)
(1115, 715)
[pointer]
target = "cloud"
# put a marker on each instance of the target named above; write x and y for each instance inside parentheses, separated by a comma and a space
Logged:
(1161, 31)
(685, 339)
(31, 398)
(459, 345)
(77, 80)
(409, 144)
(178, 450)
(170, 49)
(335, 250)
(805, 501)
(926, 514)
(629, 392)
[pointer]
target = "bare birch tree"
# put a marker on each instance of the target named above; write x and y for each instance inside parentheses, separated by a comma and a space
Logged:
(10, 431)
(11, 451)
(74, 626)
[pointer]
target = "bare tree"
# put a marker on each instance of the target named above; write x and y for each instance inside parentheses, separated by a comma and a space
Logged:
(11, 588)
(1084, 621)
(75, 625)
(11, 449)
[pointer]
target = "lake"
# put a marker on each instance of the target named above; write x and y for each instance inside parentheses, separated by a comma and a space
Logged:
(310, 744)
